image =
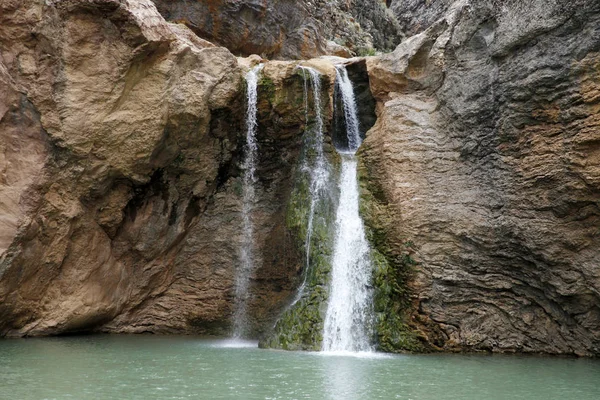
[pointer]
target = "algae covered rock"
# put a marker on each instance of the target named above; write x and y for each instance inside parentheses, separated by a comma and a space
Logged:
(310, 217)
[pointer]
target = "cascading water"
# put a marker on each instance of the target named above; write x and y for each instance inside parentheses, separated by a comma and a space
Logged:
(246, 267)
(349, 316)
(310, 215)
(315, 163)
(344, 86)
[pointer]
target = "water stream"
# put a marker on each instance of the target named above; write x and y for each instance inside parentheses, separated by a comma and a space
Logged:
(315, 163)
(246, 267)
(349, 316)
(343, 85)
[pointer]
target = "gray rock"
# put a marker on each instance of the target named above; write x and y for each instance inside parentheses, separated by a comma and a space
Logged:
(414, 16)
(289, 29)
(487, 145)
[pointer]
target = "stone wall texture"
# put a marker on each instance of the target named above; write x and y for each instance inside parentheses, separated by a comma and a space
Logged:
(486, 147)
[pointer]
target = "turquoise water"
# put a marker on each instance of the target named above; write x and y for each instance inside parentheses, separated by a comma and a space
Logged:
(156, 367)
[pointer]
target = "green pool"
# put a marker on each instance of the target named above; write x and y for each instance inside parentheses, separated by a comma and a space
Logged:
(159, 367)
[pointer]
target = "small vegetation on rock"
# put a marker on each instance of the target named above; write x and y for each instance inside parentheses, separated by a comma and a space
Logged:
(393, 268)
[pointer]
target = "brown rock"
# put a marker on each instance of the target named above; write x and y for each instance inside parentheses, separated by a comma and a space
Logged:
(23, 151)
(121, 138)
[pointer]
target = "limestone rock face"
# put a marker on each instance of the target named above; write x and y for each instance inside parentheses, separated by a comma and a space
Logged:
(120, 140)
(23, 152)
(414, 16)
(289, 29)
(486, 152)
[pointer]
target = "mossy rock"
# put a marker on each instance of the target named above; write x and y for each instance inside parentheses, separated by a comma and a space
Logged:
(266, 87)
(393, 269)
(301, 326)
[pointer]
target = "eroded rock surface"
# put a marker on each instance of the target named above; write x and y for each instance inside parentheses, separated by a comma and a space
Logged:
(119, 160)
(121, 140)
(485, 153)
(23, 151)
(414, 16)
(289, 29)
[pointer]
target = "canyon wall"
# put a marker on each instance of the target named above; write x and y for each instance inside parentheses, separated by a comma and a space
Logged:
(122, 136)
(485, 157)
(289, 29)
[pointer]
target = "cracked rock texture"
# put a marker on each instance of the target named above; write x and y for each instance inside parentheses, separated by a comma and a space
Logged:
(487, 147)
(289, 29)
(414, 16)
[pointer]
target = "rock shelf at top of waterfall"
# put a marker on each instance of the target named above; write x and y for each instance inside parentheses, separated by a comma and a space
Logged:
(349, 318)
(246, 261)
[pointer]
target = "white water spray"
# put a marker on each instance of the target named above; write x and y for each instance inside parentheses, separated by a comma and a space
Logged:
(315, 163)
(344, 85)
(246, 267)
(348, 321)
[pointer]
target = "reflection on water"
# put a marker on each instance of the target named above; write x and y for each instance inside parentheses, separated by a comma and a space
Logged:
(234, 343)
(343, 380)
(155, 367)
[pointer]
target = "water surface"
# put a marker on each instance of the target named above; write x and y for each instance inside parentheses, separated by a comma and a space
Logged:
(159, 367)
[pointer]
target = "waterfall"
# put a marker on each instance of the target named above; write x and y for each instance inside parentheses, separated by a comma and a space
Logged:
(315, 163)
(246, 267)
(349, 316)
(344, 86)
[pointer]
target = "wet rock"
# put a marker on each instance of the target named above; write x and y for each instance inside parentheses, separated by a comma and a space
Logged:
(122, 136)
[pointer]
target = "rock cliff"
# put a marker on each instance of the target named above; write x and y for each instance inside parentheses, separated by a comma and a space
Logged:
(289, 29)
(485, 153)
(121, 140)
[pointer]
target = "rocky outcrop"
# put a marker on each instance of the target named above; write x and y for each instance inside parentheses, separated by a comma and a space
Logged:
(485, 156)
(289, 29)
(121, 141)
(414, 16)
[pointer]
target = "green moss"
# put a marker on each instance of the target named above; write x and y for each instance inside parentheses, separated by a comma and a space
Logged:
(366, 52)
(301, 326)
(391, 303)
(393, 270)
(267, 88)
